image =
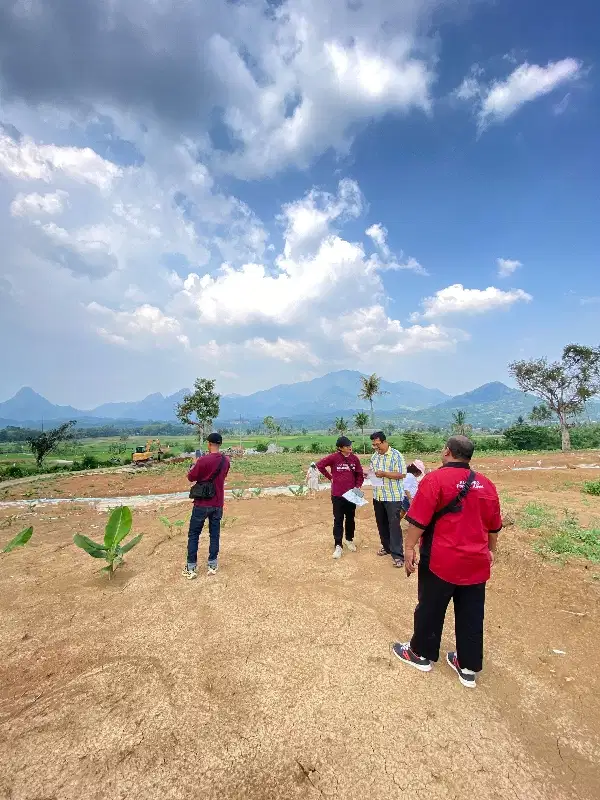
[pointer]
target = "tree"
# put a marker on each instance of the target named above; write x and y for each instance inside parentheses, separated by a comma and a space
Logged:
(540, 413)
(43, 443)
(203, 401)
(341, 426)
(370, 388)
(459, 423)
(361, 420)
(565, 386)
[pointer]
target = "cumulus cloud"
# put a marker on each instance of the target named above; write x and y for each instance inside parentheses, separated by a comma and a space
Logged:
(30, 161)
(507, 266)
(265, 84)
(498, 100)
(36, 205)
(456, 300)
(385, 259)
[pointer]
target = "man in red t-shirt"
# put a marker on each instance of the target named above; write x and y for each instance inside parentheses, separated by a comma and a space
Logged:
(456, 516)
(345, 472)
(213, 467)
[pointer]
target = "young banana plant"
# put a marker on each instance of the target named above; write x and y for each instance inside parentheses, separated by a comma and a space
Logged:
(19, 540)
(112, 551)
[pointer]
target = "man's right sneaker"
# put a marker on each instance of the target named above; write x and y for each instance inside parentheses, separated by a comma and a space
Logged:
(350, 545)
(406, 655)
(337, 553)
(188, 573)
(465, 676)
(213, 569)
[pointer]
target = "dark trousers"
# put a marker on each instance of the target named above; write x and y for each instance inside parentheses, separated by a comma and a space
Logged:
(469, 606)
(343, 516)
(387, 517)
(199, 516)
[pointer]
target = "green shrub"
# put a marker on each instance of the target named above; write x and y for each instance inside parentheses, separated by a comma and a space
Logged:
(316, 448)
(532, 437)
(262, 447)
(89, 461)
(298, 449)
(286, 449)
(13, 471)
(591, 487)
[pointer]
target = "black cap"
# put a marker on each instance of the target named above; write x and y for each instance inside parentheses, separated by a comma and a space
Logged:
(215, 438)
(343, 441)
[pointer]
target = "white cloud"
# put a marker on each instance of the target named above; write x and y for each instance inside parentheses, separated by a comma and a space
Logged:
(282, 350)
(498, 100)
(385, 259)
(35, 204)
(458, 300)
(589, 301)
(29, 161)
(146, 325)
(507, 266)
(526, 83)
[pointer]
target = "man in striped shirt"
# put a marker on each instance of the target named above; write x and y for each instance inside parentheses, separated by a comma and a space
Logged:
(388, 464)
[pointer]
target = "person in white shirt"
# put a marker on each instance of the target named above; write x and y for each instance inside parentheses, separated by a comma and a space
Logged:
(312, 478)
(411, 484)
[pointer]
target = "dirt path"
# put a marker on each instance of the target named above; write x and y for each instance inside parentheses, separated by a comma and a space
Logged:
(273, 679)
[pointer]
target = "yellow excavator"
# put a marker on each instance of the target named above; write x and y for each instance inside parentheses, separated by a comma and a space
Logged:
(144, 456)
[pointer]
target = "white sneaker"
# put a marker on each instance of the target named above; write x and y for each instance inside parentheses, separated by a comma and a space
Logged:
(350, 546)
(212, 569)
(337, 553)
(190, 574)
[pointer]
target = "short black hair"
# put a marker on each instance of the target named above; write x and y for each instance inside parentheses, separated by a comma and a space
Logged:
(215, 438)
(413, 469)
(377, 435)
(461, 447)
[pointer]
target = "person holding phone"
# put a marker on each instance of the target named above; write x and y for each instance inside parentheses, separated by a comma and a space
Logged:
(208, 476)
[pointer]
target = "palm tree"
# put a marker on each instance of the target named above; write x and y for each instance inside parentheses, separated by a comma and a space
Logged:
(361, 420)
(341, 426)
(459, 422)
(370, 388)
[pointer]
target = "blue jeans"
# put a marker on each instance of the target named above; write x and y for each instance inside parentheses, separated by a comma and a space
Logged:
(199, 515)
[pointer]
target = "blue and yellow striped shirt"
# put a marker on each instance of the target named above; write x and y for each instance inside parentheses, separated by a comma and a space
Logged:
(392, 490)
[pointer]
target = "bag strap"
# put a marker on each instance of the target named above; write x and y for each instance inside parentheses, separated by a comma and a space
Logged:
(456, 503)
(218, 469)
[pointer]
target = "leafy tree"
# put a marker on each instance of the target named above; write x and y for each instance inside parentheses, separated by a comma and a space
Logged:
(370, 388)
(361, 420)
(203, 402)
(43, 443)
(272, 426)
(540, 413)
(459, 423)
(565, 386)
(341, 426)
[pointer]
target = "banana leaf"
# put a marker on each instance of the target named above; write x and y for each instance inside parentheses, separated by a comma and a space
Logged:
(118, 526)
(131, 544)
(19, 540)
(95, 550)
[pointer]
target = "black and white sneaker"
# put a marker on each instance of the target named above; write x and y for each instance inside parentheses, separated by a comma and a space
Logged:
(406, 655)
(465, 676)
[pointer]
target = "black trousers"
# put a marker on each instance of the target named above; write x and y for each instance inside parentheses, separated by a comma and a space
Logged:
(469, 607)
(343, 516)
(387, 517)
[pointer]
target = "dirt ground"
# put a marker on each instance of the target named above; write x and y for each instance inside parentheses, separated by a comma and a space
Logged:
(273, 680)
(157, 480)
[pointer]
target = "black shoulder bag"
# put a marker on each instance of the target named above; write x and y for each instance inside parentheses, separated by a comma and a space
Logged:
(205, 490)
(453, 507)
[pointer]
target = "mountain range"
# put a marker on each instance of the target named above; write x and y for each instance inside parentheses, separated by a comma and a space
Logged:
(316, 402)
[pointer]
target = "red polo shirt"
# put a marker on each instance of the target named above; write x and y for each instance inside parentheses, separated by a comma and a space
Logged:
(457, 548)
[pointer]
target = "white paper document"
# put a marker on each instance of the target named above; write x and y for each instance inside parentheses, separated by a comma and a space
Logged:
(355, 496)
(373, 479)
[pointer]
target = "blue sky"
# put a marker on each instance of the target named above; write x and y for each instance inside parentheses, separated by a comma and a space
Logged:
(189, 193)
